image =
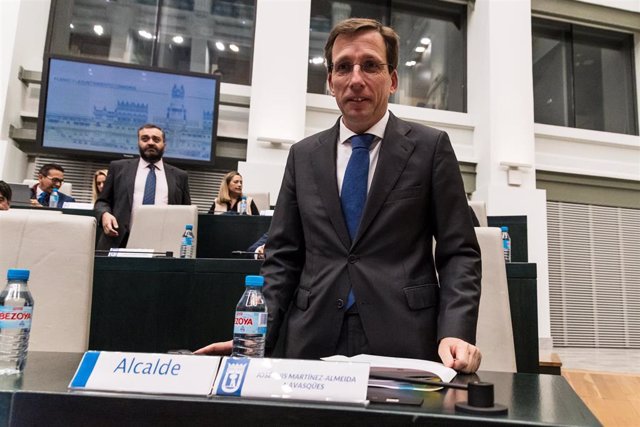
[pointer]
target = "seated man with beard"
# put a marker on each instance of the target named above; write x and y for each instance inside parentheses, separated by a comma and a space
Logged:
(134, 182)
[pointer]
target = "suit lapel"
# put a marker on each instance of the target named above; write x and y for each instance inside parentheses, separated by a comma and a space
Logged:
(323, 163)
(171, 183)
(395, 151)
(130, 176)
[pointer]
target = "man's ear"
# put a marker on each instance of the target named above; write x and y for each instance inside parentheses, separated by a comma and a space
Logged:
(330, 81)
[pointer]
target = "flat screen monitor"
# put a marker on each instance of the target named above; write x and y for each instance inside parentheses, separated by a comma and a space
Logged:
(95, 108)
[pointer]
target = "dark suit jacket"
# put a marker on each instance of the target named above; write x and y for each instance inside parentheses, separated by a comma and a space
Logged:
(61, 199)
(416, 195)
(117, 196)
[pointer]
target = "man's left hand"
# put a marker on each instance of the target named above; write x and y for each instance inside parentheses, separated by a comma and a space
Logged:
(459, 355)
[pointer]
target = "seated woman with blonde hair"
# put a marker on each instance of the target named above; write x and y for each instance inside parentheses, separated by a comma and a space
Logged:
(98, 182)
(229, 196)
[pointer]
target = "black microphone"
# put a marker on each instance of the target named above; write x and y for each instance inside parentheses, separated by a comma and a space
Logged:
(480, 397)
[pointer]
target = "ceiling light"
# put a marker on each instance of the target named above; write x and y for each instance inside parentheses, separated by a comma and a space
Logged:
(425, 41)
(420, 49)
(178, 39)
(98, 29)
(410, 63)
(71, 26)
(234, 47)
(316, 60)
(220, 45)
(145, 34)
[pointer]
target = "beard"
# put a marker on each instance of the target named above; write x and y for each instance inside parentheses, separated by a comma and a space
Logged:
(151, 155)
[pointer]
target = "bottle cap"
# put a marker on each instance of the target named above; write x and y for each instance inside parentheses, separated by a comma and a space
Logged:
(504, 228)
(55, 190)
(17, 274)
(254, 280)
(189, 226)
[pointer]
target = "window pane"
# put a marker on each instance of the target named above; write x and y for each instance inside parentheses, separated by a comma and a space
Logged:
(204, 36)
(432, 57)
(583, 77)
(603, 80)
(552, 86)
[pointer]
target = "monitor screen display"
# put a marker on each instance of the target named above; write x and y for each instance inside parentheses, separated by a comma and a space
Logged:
(94, 107)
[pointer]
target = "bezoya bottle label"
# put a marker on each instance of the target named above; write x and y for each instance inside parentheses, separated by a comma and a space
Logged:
(250, 322)
(15, 317)
(187, 241)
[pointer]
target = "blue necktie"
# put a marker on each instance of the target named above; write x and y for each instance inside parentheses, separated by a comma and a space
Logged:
(43, 199)
(354, 187)
(149, 197)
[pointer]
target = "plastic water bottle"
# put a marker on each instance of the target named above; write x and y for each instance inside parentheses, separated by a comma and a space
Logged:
(250, 325)
(186, 247)
(506, 243)
(16, 309)
(53, 198)
(242, 208)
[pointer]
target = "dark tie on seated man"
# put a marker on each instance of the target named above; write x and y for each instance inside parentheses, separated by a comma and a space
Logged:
(349, 264)
(136, 182)
(50, 176)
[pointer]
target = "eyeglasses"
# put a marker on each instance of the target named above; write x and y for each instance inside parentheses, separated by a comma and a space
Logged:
(56, 180)
(368, 67)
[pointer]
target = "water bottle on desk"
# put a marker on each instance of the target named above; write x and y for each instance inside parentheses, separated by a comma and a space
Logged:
(16, 309)
(506, 243)
(242, 208)
(186, 247)
(250, 325)
(53, 198)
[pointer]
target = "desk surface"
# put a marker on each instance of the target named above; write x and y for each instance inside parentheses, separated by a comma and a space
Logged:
(41, 396)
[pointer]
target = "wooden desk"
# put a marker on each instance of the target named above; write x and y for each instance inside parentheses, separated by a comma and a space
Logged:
(40, 397)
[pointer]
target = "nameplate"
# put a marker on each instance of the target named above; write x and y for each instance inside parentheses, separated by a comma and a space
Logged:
(293, 379)
(146, 373)
(131, 253)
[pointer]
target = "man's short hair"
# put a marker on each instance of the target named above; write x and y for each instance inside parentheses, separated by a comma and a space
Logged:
(152, 126)
(354, 25)
(44, 170)
(5, 190)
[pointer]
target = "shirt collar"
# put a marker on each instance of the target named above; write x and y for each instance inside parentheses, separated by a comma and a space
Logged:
(143, 164)
(377, 129)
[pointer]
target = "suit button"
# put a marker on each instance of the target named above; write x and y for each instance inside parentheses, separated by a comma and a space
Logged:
(352, 259)
(340, 303)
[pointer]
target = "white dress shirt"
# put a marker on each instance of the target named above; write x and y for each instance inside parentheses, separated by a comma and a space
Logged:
(344, 149)
(162, 189)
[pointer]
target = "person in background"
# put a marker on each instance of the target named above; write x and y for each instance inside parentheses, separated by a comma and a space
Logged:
(99, 179)
(5, 196)
(350, 259)
(136, 182)
(229, 196)
(50, 176)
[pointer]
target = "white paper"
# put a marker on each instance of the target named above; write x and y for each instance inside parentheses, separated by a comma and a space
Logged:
(436, 368)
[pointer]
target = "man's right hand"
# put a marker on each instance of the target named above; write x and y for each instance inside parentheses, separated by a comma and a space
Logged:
(109, 225)
(216, 349)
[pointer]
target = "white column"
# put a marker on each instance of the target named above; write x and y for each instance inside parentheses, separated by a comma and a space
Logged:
(278, 91)
(23, 26)
(501, 101)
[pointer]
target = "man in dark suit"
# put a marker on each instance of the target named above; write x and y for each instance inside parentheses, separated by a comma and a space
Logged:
(354, 272)
(50, 176)
(134, 182)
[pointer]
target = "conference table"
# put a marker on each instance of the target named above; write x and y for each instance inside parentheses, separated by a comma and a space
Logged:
(40, 397)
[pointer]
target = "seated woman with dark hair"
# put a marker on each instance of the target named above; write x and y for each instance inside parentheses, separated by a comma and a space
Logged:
(229, 196)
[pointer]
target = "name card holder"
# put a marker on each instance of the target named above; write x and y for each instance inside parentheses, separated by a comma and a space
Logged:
(344, 382)
(146, 373)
